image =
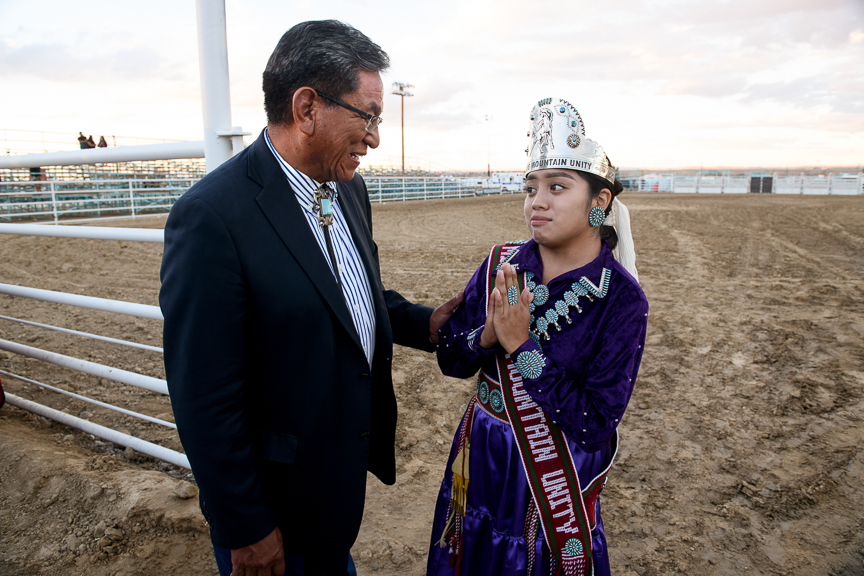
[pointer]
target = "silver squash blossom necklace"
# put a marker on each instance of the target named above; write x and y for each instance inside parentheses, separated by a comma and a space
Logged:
(584, 288)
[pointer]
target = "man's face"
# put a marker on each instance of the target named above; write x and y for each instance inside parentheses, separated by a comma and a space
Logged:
(340, 138)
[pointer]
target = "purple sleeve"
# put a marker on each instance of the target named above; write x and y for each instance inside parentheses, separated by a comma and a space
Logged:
(588, 406)
(459, 354)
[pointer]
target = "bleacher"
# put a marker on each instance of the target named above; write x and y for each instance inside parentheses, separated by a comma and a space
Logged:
(167, 169)
(95, 190)
(396, 172)
(149, 170)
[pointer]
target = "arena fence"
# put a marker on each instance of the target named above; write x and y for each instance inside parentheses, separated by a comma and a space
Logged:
(396, 189)
(58, 200)
(76, 199)
(72, 199)
(117, 375)
(766, 184)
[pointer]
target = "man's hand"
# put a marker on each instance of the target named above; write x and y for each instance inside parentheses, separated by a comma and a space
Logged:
(441, 314)
(263, 558)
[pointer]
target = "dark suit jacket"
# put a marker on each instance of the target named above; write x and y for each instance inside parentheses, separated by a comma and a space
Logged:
(275, 403)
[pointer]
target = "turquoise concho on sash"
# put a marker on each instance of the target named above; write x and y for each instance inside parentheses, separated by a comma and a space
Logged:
(489, 397)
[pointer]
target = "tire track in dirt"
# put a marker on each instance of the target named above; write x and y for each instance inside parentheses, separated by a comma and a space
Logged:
(695, 253)
(840, 233)
(817, 265)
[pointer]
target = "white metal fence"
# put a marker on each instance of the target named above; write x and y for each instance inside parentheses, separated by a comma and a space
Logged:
(391, 189)
(71, 199)
(804, 185)
(122, 377)
(75, 199)
(839, 185)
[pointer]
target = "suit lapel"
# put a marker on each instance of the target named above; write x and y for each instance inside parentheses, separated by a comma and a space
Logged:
(280, 206)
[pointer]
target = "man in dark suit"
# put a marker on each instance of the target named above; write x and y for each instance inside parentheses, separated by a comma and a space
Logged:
(278, 332)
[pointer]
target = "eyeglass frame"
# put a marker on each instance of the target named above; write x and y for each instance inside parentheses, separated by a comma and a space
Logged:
(372, 121)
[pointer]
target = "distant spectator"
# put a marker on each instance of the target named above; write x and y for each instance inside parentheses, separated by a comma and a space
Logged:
(82, 141)
(2, 395)
(90, 142)
(102, 142)
(38, 175)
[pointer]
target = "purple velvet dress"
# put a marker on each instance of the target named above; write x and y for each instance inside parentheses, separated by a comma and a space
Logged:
(586, 384)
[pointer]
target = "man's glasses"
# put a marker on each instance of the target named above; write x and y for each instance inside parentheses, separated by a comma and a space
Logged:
(372, 122)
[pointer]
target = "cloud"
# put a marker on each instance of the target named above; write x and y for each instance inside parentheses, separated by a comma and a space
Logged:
(438, 103)
(707, 48)
(60, 62)
(707, 84)
(812, 92)
(665, 81)
(442, 120)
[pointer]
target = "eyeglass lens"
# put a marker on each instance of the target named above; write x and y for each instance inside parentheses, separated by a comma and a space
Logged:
(373, 123)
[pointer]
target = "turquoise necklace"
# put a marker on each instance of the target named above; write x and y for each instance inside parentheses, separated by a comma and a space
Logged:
(584, 288)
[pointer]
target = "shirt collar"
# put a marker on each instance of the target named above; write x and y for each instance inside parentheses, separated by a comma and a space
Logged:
(528, 259)
(304, 187)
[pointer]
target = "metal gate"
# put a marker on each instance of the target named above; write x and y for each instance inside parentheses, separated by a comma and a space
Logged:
(761, 184)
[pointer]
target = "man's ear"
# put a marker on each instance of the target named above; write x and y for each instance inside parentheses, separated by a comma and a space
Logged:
(305, 106)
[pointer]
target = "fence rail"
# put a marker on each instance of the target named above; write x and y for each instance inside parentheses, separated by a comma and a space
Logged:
(66, 199)
(156, 385)
(92, 368)
(393, 189)
(73, 199)
(88, 232)
(59, 200)
(819, 185)
(92, 302)
(103, 432)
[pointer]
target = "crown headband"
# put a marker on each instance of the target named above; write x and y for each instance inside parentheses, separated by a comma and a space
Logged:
(556, 139)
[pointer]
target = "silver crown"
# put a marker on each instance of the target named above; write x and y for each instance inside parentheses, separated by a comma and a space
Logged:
(556, 139)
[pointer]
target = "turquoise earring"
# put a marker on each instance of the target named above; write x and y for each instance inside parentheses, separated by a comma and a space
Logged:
(596, 216)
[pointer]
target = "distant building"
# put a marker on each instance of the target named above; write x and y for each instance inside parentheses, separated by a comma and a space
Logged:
(499, 182)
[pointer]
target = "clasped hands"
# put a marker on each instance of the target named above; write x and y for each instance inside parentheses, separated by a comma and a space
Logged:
(507, 324)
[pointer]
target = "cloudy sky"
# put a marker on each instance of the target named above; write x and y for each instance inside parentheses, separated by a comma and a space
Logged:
(662, 83)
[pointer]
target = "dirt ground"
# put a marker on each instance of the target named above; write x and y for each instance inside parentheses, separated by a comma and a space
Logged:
(741, 447)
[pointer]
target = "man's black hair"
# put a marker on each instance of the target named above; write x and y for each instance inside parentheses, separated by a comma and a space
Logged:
(325, 55)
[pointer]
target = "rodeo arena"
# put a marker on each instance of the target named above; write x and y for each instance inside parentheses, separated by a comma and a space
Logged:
(740, 451)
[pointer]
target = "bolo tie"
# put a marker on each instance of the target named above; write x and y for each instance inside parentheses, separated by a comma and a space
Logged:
(324, 206)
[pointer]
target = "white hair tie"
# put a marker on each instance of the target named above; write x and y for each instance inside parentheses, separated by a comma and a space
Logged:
(624, 252)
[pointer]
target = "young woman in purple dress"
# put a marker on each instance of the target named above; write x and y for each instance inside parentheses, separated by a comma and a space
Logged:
(556, 328)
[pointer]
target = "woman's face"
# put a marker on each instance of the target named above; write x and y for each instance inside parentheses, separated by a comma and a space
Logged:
(557, 203)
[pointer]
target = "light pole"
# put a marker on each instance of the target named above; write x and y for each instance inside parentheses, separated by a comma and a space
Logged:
(488, 146)
(401, 89)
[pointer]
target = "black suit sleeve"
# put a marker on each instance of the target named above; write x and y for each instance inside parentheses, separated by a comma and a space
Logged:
(410, 322)
(203, 299)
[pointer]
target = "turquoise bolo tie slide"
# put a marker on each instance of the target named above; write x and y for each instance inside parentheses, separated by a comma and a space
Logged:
(325, 207)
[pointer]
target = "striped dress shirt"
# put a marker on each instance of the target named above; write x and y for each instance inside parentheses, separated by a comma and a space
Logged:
(355, 282)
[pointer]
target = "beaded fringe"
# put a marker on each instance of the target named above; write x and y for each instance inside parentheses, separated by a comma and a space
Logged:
(532, 521)
(459, 494)
(452, 533)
